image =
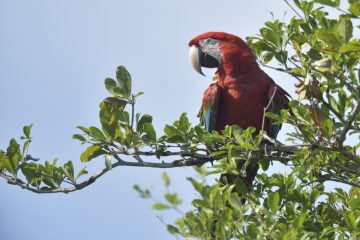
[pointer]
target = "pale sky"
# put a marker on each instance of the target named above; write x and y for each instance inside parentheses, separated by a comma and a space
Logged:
(54, 58)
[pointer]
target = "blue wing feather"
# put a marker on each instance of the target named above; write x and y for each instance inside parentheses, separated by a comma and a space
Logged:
(209, 107)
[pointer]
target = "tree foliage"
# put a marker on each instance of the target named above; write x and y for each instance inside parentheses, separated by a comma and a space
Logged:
(322, 53)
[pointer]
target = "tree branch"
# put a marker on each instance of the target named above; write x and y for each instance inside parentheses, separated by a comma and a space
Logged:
(195, 161)
(284, 71)
(188, 159)
(267, 107)
(354, 113)
(275, 151)
(292, 8)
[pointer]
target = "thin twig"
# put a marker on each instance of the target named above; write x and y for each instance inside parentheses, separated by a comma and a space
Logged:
(267, 107)
(284, 71)
(349, 155)
(345, 12)
(294, 63)
(329, 107)
(340, 181)
(354, 113)
(132, 111)
(296, 12)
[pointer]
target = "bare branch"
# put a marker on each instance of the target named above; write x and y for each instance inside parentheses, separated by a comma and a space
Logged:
(275, 151)
(188, 159)
(354, 113)
(176, 163)
(339, 180)
(267, 107)
(284, 71)
(328, 106)
(292, 8)
(132, 112)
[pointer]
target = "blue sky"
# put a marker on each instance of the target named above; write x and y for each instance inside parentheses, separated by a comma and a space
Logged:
(54, 58)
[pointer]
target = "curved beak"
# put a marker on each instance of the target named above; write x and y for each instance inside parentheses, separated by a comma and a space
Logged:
(204, 57)
(194, 56)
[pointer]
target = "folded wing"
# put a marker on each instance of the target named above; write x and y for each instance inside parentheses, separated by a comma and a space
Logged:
(209, 108)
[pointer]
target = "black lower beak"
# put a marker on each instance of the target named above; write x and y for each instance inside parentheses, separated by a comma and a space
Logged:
(207, 61)
(199, 58)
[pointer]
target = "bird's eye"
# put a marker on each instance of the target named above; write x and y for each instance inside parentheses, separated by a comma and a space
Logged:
(209, 41)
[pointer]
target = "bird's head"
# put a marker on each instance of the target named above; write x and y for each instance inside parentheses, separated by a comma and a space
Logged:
(221, 50)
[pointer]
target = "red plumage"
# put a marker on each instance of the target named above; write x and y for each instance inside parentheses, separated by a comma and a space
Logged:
(242, 90)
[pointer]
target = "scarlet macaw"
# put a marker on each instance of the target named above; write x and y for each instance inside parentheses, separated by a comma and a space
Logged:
(242, 89)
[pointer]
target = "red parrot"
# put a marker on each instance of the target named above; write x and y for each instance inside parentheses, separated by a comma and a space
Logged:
(242, 89)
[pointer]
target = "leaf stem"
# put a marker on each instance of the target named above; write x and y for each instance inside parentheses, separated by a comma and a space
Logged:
(132, 111)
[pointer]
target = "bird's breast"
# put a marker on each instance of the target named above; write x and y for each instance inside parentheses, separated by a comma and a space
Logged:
(242, 105)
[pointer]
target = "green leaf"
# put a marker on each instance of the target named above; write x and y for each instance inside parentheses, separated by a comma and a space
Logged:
(173, 199)
(173, 134)
(184, 123)
(240, 186)
(331, 38)
(273, 116)
(354, 8)
(124, 80)
(268, 57)
(150, 132)
(171, 131)
(214, 137)
(111, 86)
(144, 193)
(14, 155)
(355, 203)
(298, 223)
(353, 46)
(328, 127)
(25, 146)
(109, 114)
(300, 111)
(26, 130)
(165, 179)
(160, 206)
(68, 169)
(331, 3)
(84, 129)
(251, 231)
(118, 92)
(108, 162)
(138, 94)
(124, 117)
(144, 119)
(270, 35)
(5, 164)
(235, 201)
(79, 137)
(92, 152)
(31, 171)
(350, 221)
(97, 133)
(273, 201)
(172, 229)
(81, 172)
(345, 28)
